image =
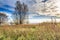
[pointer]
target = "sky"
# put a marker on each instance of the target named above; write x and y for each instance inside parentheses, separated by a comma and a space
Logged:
(35, 16)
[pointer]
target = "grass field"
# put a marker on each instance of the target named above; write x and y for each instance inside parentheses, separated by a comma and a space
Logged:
(44, 31)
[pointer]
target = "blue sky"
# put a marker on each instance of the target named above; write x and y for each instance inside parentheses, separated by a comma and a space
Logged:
(7, 6)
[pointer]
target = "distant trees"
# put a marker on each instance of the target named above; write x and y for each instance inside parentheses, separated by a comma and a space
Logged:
(20, 12)
(3, 18)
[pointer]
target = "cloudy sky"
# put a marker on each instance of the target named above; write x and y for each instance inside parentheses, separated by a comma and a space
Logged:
(7, 6)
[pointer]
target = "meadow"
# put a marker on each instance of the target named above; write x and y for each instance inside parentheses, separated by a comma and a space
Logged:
(43, 31)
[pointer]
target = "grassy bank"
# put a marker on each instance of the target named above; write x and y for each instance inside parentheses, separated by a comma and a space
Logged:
(44, 31)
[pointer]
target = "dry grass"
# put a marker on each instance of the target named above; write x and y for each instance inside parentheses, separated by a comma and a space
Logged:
(44, 31)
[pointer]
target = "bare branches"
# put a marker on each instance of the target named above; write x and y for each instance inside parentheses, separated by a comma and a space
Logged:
(20, 12)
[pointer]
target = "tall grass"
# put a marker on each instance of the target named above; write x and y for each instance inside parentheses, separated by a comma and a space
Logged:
(31, 32)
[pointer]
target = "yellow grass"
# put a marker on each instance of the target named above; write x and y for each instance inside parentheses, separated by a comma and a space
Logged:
(44, 31)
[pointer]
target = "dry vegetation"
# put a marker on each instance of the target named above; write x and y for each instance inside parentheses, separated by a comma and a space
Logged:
(44, 31)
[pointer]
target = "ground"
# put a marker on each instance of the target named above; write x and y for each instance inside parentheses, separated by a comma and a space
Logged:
(43, 31)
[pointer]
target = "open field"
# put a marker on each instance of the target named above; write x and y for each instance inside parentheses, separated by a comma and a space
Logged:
(44, 31)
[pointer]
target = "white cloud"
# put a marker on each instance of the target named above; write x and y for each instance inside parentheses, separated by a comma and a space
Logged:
(42, 20)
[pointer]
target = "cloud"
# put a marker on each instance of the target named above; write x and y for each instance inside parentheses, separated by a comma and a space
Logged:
(34, 5)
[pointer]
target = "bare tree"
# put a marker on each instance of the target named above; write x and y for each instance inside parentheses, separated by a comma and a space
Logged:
(20, 12)
(24, 11)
